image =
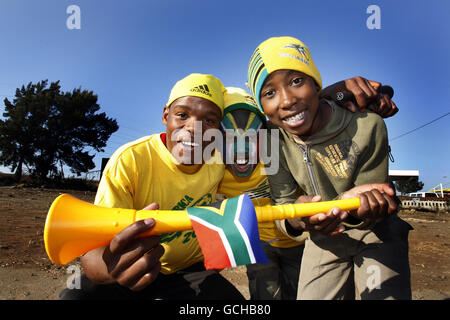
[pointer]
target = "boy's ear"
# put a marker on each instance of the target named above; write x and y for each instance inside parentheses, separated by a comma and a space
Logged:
(165, 115)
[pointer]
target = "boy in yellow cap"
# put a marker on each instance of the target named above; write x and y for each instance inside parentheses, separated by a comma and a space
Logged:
(161, 170)
(245, 173)
(329, 152)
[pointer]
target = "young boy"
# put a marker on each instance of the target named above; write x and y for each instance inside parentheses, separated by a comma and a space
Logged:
(159, 170)
(330, 152)
(245, 173)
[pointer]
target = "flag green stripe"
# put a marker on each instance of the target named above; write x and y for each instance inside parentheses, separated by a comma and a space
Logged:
(226, 223)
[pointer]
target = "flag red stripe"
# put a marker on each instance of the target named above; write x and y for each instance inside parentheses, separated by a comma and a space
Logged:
(212, 247)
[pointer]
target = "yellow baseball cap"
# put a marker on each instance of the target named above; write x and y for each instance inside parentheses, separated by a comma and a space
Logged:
(199, 85)
(279, 53)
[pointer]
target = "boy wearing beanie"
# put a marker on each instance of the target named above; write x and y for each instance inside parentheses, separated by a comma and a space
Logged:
(245, 173)
(161, 171)
(331, 153)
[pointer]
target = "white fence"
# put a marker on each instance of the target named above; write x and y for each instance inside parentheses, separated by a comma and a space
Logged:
(433, 205)
(93, 175)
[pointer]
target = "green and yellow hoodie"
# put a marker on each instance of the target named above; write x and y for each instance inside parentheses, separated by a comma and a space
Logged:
(351, 150)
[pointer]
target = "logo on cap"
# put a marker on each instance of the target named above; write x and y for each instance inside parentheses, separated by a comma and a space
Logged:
(303, 52)
(300, 49)
(202, 89)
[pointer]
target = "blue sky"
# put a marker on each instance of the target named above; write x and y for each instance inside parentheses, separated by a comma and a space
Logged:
(130, 53)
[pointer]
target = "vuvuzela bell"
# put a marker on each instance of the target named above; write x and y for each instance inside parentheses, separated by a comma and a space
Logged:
(74, 227)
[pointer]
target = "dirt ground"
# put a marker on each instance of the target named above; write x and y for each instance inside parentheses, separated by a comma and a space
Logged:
(26, 273)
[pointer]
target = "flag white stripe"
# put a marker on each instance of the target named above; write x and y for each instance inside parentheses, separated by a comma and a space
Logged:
(224, 239)
(242, 230)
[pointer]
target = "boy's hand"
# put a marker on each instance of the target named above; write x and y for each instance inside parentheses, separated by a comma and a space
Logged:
(366, 96)
(377, 201)
(134, 262)
(328, 224)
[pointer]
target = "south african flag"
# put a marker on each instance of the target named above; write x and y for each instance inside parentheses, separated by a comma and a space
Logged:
(227, 232)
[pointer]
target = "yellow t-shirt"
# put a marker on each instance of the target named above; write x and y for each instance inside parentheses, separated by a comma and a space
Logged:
(256, 186)
(144, 171)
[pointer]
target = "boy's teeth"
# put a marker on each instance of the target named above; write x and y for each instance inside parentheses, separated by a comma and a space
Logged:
(295, 118)
(241, 161)
(190, 144)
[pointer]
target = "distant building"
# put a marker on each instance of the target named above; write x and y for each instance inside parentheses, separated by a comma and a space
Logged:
(395, 175)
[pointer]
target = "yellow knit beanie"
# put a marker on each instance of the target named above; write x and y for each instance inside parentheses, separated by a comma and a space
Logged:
(280, 53)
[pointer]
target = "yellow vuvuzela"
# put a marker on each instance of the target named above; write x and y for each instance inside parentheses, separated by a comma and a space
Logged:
(74, 227)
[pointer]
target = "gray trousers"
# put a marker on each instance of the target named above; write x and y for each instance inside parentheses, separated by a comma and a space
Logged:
(362, 264)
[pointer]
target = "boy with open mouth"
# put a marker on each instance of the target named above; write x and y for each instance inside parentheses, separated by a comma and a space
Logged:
(245, 173)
